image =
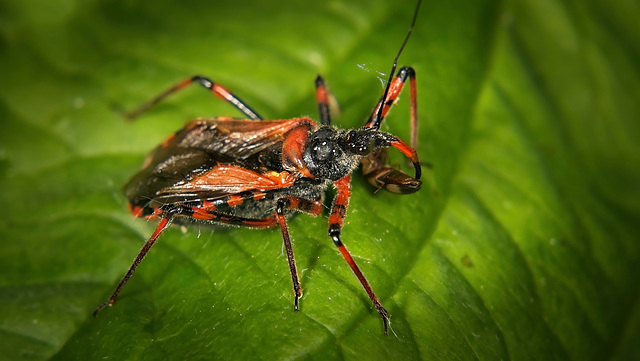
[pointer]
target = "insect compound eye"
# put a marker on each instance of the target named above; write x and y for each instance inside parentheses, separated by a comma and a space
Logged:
(324, 157)
(363, 141)
(357, 143)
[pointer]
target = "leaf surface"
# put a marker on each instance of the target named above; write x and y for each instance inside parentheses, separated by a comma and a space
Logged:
(522, 244)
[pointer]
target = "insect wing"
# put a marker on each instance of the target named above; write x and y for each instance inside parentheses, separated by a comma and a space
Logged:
(225, 179)
(192, 156)
(231, 139)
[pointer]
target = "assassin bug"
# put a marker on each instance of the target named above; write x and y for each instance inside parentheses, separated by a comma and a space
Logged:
(255, 173)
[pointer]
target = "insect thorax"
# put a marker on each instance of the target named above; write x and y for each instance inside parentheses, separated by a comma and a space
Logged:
(331, 153)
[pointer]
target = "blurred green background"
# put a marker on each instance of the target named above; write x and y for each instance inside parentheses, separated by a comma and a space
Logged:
(523, 243)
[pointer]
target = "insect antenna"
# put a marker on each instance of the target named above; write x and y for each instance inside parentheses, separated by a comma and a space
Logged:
(377, 118)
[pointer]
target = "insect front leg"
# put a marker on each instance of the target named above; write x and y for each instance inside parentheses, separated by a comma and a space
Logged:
(381, 175)
(374, 166)
(214, 88)
(336, 221)
(378, 115)
(322, 97)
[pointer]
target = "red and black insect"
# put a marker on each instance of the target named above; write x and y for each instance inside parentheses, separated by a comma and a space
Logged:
(255, 173)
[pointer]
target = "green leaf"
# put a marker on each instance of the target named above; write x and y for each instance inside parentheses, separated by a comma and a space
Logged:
(522, 244)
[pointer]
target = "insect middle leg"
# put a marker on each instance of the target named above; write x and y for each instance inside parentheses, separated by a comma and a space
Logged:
(336, 221)
(216, 89)
(278, 217)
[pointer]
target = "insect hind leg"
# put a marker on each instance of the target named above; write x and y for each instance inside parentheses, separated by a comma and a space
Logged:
(168, 216)
(164, 223)
(207, 83)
